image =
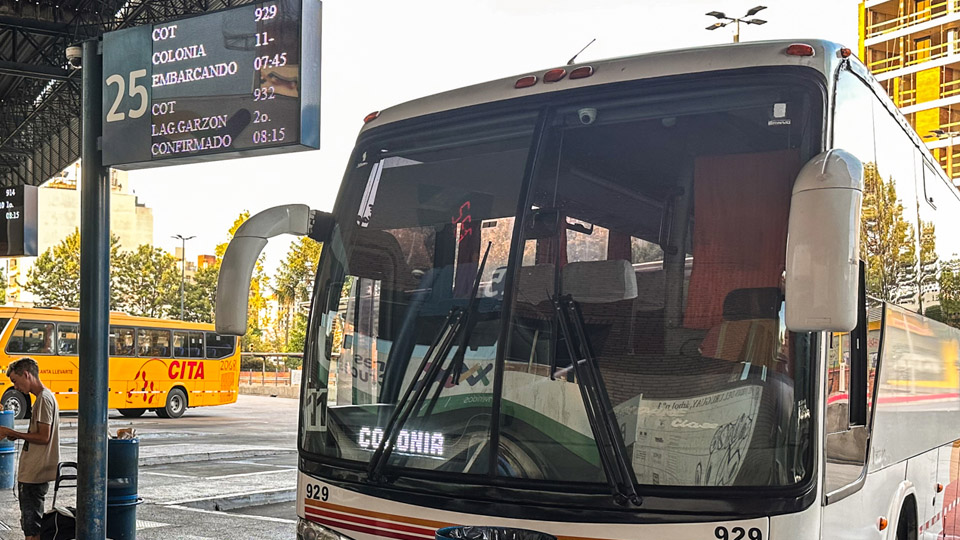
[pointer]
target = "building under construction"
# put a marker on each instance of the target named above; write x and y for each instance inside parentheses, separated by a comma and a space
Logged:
(913, 49)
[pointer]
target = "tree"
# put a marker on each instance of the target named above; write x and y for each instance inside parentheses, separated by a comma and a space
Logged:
(887, 240)
(54, 278)
(293, 281)
(148, 283)
(950, 293)
(200, 295)
(259, 282)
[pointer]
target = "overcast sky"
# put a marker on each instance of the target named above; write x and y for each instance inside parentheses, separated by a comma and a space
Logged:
(377, 53)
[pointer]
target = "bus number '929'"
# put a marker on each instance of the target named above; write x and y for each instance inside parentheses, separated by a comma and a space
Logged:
(316, 492)
(738, 533)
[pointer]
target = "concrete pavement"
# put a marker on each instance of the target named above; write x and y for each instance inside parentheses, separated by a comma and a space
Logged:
(217, 472)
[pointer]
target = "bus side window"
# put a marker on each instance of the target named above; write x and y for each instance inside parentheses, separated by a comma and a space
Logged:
(122, 341)
(187, 344)
(32, 337)
(67, 337)
(838, 383)
(153, 343)
(219, 346)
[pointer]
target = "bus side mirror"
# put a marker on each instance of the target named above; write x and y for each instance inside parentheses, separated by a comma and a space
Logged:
(236, 269)
(823, 244)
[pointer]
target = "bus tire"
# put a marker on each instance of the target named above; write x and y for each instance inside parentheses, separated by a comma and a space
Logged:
(131, 413)
(907, 522)
(176, 404)
(17, 402)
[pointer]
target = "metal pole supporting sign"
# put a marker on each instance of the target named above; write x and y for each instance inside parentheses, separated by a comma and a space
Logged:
(94, 306)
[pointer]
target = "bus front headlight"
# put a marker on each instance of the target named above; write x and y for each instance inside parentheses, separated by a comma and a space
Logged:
(308, 530)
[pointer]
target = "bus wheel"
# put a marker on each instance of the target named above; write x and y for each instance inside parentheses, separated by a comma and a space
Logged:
(14, 401)
(907, 524)
(131, 413)
(176, 404)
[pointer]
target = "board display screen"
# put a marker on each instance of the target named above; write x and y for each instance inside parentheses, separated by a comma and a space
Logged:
(18, 228)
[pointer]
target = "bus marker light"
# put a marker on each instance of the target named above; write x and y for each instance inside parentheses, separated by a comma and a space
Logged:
(581, 72)
(845, 53)
(371, 117)
(526, 82)
(882, 523)
(939, 488)
(554, 75)
(800, 49)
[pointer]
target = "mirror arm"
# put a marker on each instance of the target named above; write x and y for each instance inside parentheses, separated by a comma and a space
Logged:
(240, 259)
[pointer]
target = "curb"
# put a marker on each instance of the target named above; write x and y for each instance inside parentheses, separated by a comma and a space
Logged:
(243, 500)
(208, 456)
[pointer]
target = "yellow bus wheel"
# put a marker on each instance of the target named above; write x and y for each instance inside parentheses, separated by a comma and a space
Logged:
(176, 404)
(14, 401)
(131, 413)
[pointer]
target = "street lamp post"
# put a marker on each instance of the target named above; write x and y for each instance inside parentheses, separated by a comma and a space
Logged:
(183, 265)
(723, 17)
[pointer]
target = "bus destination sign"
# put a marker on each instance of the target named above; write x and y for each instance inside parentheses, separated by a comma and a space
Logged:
(234, 83)
(18, 211)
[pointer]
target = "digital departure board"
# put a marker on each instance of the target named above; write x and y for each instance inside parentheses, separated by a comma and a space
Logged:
(239, 82)
(18, 212)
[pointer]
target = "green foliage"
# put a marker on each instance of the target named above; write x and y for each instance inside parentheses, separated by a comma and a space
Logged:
(55, 276)
(950, 293)
(887, 240)
(148, 283)
(298, 334)
(292, 287)
(200, 295)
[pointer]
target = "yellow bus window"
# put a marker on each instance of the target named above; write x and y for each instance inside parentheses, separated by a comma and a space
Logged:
(32, 337)
(153, 343)
(67, 338)
(187, 344)
(122, 341)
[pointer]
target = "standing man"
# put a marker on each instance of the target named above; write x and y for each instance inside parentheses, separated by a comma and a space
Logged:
(41, 445)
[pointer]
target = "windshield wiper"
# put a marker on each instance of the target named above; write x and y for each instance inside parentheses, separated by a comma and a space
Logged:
(596, 401)
(405, 406)
(456, 319)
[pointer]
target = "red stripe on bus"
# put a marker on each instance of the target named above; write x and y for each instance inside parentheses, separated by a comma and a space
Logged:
(372, 522)
(366, 530)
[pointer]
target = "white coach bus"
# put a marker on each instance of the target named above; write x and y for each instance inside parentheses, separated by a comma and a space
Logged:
(701, 294)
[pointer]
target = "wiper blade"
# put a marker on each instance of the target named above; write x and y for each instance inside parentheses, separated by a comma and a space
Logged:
(596, 402)
(405, 406)
(456, 319)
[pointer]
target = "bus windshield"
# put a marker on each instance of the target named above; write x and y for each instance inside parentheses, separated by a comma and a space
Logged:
(657, 213)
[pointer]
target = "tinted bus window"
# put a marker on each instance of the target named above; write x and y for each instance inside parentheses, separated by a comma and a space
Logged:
(32, 337)
(187, 344)
(153, 343)
(219, 346)
(122, 341)
(67, 338)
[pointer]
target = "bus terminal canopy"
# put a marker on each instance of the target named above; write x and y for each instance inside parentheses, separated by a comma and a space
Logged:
(40, 91)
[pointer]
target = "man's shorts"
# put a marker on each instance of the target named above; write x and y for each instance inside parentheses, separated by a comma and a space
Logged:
(31, 506)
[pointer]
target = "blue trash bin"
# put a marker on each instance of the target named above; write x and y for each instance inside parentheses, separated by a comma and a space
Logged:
(122, 497)
(7, 453)
(468, 532)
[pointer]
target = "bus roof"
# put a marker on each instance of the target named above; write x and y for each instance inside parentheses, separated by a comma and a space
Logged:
(116, 317)
(645, 66)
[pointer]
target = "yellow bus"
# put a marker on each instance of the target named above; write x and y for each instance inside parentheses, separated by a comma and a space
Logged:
(155, 364)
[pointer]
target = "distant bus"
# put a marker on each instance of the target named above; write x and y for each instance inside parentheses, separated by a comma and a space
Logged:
(722, 302)
(155, 364)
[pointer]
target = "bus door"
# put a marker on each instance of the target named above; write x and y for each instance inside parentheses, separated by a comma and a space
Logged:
(220, 367)
(188, 354)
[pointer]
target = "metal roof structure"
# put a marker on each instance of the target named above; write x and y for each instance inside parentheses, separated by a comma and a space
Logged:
(40, 92)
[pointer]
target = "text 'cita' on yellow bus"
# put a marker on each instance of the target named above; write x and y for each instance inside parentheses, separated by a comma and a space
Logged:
(155, 364)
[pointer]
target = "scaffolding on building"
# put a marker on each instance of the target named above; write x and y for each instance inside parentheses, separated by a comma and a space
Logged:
(912, 47)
